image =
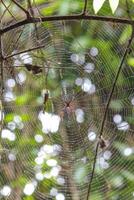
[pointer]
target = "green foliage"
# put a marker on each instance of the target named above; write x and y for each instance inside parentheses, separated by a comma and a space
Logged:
(33, 145)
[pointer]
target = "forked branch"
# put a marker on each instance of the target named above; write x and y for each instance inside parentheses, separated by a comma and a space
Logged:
(7, 9)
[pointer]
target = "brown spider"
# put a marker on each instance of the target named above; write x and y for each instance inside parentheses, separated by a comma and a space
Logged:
(68, 109)
(103, 143)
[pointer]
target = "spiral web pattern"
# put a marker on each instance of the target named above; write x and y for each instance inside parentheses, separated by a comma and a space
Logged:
(56, 88)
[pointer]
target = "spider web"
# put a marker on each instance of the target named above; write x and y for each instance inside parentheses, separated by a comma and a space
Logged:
(56, 161)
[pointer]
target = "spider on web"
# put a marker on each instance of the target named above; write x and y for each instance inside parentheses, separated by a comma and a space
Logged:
(103, 144)
(68, 109)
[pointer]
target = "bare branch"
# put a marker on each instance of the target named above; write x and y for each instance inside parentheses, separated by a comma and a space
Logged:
(85, 8)
(30, 8)
(16, 43)
(106, 110)
(25, 51)
(1, 81)
(66, 17)
(32, 14)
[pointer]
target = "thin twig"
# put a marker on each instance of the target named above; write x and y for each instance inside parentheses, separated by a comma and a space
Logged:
(45, 67)
(16, 43)
(2, 81)
(106, 110)
(25, 51)
(115, 81)
(7, 9)
(4, 12)
(66, 17)
(24, 10)
(30, 8)
(32, 14)
(85, 8)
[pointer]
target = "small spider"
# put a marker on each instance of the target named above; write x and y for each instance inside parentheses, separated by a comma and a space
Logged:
(103, 144)
(68, 109)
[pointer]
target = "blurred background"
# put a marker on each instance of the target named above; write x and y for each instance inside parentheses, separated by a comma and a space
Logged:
(57, 77)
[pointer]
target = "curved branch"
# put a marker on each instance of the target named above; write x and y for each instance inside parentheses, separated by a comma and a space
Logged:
(2, 82)
(66, 17)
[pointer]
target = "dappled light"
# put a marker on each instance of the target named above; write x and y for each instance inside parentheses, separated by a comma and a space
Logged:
(66, 100)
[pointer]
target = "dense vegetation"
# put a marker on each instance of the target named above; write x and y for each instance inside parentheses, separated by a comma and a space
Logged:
(67, 100)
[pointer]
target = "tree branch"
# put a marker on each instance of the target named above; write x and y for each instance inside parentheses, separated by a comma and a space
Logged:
(85, 8)
(25, 51)
(106, 109)
(30, 8)
(1, 81)
(66, 17)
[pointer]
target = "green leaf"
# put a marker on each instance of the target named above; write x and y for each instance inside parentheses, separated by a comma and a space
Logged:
(9, 117)
(97, 4)
(113, 5)
(131, 61)
(29, 198)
